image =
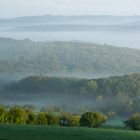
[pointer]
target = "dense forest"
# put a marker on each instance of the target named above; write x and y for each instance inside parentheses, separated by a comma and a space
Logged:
(118, 94)
(25, 57)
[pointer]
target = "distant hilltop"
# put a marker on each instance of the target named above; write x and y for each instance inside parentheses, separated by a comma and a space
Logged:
(81, 19)
(72, 58)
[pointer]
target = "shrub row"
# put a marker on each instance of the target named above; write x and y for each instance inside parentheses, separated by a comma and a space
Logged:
(17, 115)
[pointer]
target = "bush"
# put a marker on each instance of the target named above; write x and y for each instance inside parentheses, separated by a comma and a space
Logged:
(20, 115)
(102, 117)
(2, 115)
(16, 115)
(92, 119)
(31, 118)
(69, 120)
(65, 119)
(52, 119)
(74, 120)
(133, 122)
(41, 119)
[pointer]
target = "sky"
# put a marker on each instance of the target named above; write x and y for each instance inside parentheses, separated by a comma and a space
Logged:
(17, 8)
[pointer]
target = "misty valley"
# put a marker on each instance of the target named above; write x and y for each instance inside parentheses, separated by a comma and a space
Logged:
(70, 75)
(70, 71)
(72, 94)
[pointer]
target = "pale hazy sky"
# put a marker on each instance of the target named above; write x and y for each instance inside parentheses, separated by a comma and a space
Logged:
(15, 8)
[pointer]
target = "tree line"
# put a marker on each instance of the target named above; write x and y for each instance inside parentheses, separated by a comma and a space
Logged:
(26, 115)
(20, 115)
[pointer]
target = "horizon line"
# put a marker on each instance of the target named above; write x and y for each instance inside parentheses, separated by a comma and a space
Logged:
(69, 15)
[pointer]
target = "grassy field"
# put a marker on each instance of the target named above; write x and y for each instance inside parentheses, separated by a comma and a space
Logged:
(14, 132)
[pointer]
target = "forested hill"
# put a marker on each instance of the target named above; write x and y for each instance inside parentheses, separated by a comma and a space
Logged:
(66, 58)
(121, 92)
(128, 84)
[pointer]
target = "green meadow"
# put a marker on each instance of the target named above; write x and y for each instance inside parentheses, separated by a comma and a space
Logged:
(19, 132)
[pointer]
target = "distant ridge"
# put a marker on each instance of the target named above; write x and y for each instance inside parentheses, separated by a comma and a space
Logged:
(94, 19)
(66, 58)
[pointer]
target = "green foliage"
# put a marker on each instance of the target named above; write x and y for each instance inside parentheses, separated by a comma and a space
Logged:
(41, 119)
(65, 119)
(121, 92)
(31, 119)
(16, 115)
(52, 119)
(68, 119)
(92, 119)
(74, 120)
(133, 122)
(27, 56)
(2, 114)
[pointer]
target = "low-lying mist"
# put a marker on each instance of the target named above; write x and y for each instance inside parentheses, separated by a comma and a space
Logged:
(111, 94)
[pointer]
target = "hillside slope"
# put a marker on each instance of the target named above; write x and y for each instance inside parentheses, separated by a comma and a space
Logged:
(97, 94)
(66, 58)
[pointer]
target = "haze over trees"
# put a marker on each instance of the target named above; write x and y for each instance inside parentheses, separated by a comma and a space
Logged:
(24, 57)
(105, 94)
(70, 76)
(123, 31)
